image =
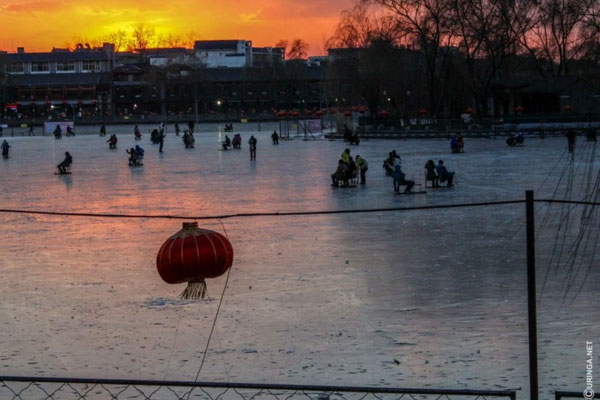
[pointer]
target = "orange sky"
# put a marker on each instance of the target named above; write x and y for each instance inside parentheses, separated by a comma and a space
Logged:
(38, 25)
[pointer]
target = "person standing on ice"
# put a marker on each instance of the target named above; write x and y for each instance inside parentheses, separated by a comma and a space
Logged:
(363, 166)
(571, 137)
(5, 147)
(161, 139)
(103, 130)
(275, 137)
(252, 142)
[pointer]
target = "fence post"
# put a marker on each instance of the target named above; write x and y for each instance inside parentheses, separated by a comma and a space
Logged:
(531, 297)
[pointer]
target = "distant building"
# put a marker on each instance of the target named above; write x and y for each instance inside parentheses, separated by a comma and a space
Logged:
(162, 57)
(224, 53)
(266, 56)
(60, 81)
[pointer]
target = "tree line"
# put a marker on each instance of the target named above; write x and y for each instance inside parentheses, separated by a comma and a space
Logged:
(464, 47)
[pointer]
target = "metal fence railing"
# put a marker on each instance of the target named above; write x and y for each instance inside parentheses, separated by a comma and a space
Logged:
(23, 388)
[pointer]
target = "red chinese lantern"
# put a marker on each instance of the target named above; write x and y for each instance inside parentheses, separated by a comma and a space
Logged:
(307, 112)
(319, 113)
(282, 114)
(568, 108)
(362, 110)
(469, 110)
(519, 109)
(347, 114)
(295, 114)
(384, 114)
(192, 255)
(422, 112)
(332, 111)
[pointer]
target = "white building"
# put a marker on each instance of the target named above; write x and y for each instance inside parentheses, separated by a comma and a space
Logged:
(224, 53)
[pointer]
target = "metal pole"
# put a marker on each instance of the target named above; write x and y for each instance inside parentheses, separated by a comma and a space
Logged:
(531, 297)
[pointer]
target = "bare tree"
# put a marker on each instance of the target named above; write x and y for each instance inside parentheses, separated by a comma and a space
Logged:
(427, 25)
(361, 25)
(298, 49)
(488, 32)
(118, 38)
(559, 35)
(142, 37)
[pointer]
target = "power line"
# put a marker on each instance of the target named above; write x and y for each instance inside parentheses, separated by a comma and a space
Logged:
(263, 214)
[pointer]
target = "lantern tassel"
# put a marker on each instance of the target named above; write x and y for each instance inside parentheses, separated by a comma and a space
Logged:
(194, 290)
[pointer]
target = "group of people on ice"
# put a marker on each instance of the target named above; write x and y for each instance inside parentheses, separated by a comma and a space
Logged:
(457, 143)
(435, 173)
(188, 139)
(136, 156)
(351, 137)
(349, 169)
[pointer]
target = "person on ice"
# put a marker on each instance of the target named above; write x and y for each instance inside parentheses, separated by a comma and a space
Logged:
(57, 132)
(339, 174)
(5, 147)
(400, 180)
(237, 141)
(136, 132)
(132, 156)
(161, 138)
(252, 142)
(177, 130)
(443, 173)
(103, 130)
(346, 157)
(571, 137)
(112, 141)
(275, 137)
(140, 154)
(363, 167)
(431, 174)
(226, 143)
(70, 131)
(352, 170)
(62, 167)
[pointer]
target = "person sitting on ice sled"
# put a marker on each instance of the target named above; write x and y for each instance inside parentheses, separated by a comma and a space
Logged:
(226, 143)
(62, 167)
(237, 141)
(399, 180)
(132, 156)
(112, 142)
(140, 154)
(340, 174)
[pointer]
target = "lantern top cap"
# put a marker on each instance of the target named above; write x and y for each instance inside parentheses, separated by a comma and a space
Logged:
(188, 225)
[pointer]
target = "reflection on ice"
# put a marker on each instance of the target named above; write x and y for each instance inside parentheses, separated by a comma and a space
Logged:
(333, 299)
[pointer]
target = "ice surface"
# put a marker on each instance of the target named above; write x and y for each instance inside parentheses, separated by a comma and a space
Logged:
(331, 299)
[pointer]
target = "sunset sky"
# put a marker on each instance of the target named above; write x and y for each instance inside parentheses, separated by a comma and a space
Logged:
(39, 25)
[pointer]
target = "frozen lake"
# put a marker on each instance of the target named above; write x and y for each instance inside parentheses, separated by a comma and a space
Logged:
(405, 299)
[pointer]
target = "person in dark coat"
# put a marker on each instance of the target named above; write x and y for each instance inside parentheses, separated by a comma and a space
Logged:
(252, 142)
(571, 137)
(62, 167)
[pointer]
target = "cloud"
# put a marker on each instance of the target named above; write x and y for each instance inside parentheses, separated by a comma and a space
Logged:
(31, 7)
(251, 17)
